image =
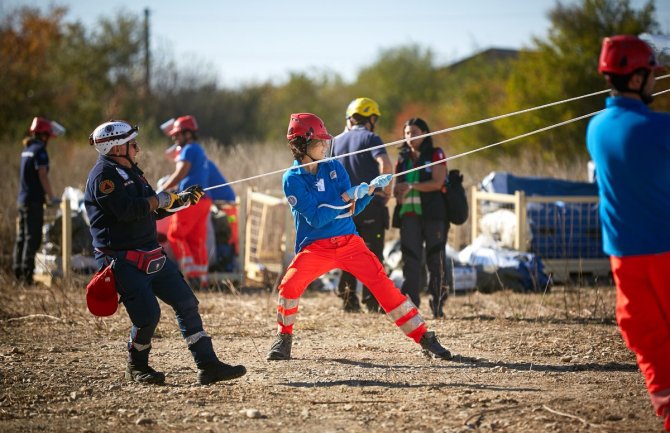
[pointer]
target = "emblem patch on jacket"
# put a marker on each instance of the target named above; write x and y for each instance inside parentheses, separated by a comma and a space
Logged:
(292, 200)
(320, 185)
(333, 174)
(106, 186)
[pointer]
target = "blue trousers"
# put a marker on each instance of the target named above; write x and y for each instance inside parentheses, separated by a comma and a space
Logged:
(139, 292)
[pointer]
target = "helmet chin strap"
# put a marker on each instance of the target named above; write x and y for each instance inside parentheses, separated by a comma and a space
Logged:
(647, 99)
(127, 155)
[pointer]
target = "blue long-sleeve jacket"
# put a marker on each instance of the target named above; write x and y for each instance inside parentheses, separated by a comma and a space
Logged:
(630, 145)
(305, 192)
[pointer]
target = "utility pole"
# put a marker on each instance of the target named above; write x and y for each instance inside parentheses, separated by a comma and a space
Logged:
(147, 55)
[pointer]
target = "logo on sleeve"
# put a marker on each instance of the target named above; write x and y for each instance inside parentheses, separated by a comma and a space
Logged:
(333, 174)
(106, 186)
(292, 200)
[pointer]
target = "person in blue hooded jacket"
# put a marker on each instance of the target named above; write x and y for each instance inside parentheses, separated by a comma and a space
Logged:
(323, 202)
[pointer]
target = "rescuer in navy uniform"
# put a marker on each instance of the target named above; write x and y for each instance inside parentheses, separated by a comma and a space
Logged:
(34, 190)
(122, 208)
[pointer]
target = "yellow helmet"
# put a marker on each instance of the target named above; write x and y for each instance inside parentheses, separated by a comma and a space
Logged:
(365, 107)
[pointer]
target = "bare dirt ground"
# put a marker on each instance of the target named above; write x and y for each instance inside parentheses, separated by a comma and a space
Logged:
(527, 363)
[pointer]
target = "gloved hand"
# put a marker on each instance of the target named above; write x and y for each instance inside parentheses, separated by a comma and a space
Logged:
(54, 201)
(166, 199)
(455, 177)
(356, 192)
(381, 181)
(192, 194)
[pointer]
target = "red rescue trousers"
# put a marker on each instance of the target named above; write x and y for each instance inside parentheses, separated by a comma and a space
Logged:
(350, 254)
(643, 315)
(188, 238)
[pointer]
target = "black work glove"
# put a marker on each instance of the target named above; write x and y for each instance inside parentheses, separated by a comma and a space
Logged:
(455, 177)
(192, 195)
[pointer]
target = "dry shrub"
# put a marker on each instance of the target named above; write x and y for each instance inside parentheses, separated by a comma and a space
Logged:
(70, 163)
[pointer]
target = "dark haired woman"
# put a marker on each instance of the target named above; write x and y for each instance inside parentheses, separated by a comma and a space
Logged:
(422, 214)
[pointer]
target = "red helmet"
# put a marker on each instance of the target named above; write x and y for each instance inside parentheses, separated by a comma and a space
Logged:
(624, 54)
(184, 123)
(41, 125)
(308, 126)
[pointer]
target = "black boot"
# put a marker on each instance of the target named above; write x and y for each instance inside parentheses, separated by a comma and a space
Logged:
(144, 374)
(281, 348)
(436, 308)
(432, 348)
(350, 303)
(374, 308)
(218, 371)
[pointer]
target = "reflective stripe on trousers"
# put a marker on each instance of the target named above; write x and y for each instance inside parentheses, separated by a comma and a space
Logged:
(406, 316)
(286, 311)
(350, 254)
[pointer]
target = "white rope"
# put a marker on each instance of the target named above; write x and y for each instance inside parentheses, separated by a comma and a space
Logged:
(443, 131)
(340, 216)
(332, 206)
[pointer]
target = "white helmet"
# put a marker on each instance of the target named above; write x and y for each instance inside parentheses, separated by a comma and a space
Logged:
(112, 133)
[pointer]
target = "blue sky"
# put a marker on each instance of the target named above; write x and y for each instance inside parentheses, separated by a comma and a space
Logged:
(257, 40)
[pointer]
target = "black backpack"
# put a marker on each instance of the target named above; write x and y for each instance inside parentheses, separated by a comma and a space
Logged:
(455, 199)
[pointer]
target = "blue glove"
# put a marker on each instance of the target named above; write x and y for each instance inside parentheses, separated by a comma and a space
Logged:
(358, 191)
(54, 202)
(381, 181)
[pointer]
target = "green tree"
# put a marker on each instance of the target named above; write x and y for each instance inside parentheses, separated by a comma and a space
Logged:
(62, 71)
(401, 76)
(563, 65)
(471, 90)
(29, 43)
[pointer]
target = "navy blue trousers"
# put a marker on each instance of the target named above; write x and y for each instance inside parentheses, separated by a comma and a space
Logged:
(28, 240)
(140, 293)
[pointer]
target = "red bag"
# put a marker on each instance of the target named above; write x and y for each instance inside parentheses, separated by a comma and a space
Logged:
(148, 262)
(102, 298)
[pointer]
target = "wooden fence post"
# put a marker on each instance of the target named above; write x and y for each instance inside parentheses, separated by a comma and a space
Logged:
(520, 212)
(474, 214)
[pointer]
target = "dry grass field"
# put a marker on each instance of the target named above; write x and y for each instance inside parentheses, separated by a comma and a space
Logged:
(525, 363)
(551, 362)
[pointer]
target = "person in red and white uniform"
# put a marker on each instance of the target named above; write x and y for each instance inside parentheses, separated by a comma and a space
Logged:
(323, 203)
(630, 146)
(188, 229)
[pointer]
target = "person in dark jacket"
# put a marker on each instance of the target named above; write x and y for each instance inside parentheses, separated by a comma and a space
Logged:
(422, 213)
(362, 115)
(122, 209)
(34, 191)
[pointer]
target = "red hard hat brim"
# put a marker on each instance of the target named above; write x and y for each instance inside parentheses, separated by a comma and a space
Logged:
(102, 307)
